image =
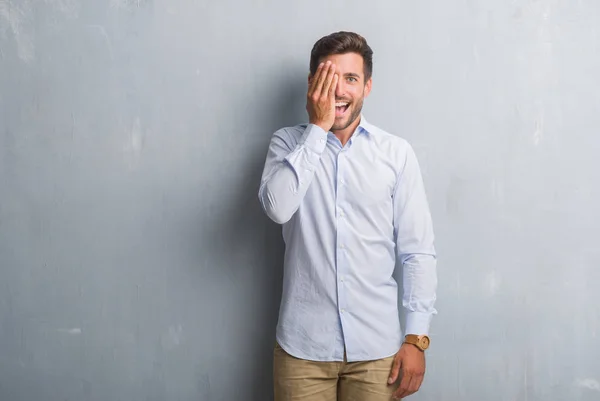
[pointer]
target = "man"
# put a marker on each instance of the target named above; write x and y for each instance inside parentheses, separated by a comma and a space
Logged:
(352, 203)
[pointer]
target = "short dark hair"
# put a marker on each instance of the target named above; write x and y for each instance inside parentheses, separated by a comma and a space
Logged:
(340, 43)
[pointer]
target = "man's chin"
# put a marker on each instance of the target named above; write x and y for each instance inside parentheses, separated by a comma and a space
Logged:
(342, 123)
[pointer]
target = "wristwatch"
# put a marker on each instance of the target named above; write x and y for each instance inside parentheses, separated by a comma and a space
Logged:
(420, 341)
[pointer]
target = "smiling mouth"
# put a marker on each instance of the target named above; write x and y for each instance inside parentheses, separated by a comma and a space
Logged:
(341, 108)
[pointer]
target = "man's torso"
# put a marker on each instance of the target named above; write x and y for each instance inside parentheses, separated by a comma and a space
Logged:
(339, 293)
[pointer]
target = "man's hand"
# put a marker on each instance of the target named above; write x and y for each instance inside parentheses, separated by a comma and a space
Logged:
(320, 102)
(409, 364)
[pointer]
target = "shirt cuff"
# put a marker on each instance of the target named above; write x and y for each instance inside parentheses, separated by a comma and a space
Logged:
(315, 138)
(418, 323)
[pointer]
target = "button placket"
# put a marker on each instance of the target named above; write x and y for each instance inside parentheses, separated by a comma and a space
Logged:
(342, 256)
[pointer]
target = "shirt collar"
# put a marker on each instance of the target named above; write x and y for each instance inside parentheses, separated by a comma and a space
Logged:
(365, 126)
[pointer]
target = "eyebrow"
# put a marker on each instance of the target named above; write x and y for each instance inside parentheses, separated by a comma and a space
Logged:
(352, 74)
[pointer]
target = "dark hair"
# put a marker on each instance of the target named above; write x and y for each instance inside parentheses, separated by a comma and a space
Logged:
(340, 43)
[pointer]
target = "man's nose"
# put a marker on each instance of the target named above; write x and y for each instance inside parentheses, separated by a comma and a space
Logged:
(340, 89)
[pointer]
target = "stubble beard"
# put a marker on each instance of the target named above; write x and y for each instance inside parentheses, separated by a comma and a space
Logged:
(354, 114)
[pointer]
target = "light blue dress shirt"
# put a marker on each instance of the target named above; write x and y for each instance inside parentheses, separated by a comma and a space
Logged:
(348, 214)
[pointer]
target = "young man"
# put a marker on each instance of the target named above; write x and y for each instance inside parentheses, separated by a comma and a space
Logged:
(352, 203)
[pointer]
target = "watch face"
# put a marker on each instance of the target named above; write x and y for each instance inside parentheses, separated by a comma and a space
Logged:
(424, 342)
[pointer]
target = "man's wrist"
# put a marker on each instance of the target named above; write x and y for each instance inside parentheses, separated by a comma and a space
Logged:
(325, 127)
(412, 346)
(421, 341)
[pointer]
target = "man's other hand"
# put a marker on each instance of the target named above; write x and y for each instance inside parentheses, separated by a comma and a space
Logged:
(409, 368)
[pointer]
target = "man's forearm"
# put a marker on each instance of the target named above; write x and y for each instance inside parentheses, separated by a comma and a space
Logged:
(286, 177)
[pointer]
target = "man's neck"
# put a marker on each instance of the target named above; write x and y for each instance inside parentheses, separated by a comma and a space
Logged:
(344, 135)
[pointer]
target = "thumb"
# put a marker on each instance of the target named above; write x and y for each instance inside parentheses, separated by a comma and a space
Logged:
(395, 370)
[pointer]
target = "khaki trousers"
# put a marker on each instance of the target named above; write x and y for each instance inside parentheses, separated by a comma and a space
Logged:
(301, 380)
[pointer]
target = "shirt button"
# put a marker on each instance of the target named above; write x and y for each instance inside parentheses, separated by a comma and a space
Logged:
(342, 279)
(342, 246)
(342, 214)
(343, 310)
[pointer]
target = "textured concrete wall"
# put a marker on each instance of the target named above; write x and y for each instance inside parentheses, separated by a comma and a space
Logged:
(135, 263)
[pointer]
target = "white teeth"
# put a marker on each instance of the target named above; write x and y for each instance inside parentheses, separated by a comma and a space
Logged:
(341, 104)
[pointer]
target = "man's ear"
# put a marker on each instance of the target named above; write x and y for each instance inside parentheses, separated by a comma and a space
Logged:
(368, 86)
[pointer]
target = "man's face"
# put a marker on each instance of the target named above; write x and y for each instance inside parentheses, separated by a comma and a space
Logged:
(351, 88)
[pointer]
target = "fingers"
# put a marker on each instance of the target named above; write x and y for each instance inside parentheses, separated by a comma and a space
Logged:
(327, 84)
(405, 386)
(394, 372)
(315, 79)
(402, 390)
(417, 383)
(321, 75)
(333, 86)
(410, 384)
(321, 79)
(321, 96)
